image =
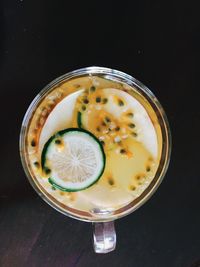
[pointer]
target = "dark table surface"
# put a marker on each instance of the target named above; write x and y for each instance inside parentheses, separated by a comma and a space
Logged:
(155, 41)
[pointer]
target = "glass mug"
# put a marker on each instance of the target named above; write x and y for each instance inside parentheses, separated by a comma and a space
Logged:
(104, 235)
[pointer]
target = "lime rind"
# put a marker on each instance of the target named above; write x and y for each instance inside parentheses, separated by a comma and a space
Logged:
(99, 156)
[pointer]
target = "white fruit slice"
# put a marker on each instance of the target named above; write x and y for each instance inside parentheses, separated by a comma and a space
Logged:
(73, 159)
(144, 126)
(147, 134)
(60, 118)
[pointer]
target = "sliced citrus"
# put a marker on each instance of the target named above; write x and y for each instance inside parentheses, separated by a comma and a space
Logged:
(73, 159)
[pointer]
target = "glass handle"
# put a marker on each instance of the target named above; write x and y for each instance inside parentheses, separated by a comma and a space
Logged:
(104, 237)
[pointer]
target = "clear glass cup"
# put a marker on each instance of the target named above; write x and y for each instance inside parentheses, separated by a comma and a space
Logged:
(104, 235)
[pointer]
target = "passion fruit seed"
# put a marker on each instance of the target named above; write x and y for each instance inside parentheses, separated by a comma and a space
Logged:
(122, 151)
(107, 119)
(120, 102)
(98, 129)
(83, 108)
(148, 168)
(33, 143)
(134, 134)
(132, 187)
(138, 177)
(57, 141)
(98, 99)
(37, 164)
(47, 170)
(130, 115)
(111, 181)
(131, 125)
(92, 88)
(103, 123)
(105, 100)
(117, 128)
(86, 101)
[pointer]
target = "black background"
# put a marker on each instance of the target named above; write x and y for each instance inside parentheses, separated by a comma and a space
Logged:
(155, 41)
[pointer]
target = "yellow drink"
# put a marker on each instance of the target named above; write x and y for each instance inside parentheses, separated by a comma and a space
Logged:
(123, 121)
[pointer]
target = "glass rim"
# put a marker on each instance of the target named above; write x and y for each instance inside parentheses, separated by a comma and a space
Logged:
(131, 81)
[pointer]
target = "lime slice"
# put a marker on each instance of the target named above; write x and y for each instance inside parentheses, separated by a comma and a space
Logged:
(73, 159)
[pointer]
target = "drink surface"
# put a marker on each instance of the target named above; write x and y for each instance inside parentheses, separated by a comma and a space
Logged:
(121, 119)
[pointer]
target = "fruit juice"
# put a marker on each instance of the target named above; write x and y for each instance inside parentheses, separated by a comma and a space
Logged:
(124, 124)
